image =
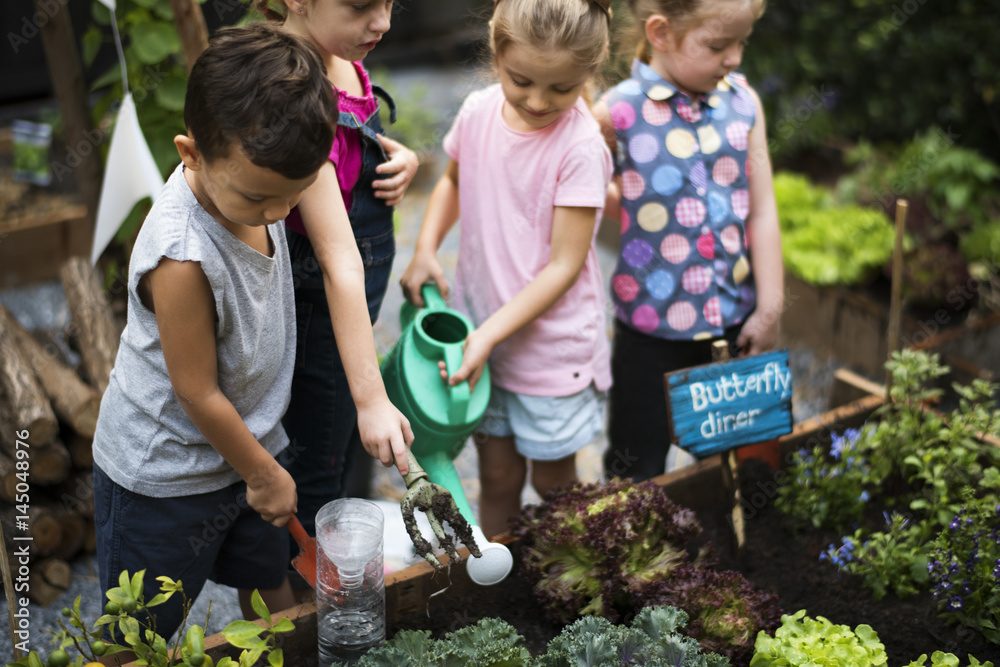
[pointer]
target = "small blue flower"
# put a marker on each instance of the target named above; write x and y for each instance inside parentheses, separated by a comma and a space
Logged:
(864, 497)
(955, 603)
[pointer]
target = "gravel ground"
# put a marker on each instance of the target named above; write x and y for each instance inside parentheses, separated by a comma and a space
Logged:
(43, 306)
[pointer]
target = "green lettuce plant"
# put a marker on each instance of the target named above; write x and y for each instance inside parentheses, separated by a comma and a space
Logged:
(826, 244)
(802, 640)
(942, 659)
(126, 601)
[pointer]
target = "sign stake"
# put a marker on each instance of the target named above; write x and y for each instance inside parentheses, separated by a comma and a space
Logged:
(896, 298)
(720, 352)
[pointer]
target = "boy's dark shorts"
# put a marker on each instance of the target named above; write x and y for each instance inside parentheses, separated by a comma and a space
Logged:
(192, 538)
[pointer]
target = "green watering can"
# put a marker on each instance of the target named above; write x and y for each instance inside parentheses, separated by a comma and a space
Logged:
(442, 417)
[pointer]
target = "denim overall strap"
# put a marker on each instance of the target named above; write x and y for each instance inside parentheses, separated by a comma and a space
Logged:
(370, 217)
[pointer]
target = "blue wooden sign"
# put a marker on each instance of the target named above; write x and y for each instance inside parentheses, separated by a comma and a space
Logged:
(720, 406)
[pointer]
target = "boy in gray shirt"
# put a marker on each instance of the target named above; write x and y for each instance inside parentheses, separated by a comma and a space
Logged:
(186, 483)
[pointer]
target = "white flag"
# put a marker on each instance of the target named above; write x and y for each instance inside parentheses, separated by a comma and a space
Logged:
(131, 174)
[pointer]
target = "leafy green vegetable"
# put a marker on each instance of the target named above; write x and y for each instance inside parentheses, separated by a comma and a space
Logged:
(826, 244)
(651, 639)
(491, 642)
(942, 659)
(802, 640)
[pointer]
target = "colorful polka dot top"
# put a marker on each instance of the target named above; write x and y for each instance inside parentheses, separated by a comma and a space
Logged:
(683, 271)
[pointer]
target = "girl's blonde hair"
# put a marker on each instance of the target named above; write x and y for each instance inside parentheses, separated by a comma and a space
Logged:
(581, 27)
(683, 15)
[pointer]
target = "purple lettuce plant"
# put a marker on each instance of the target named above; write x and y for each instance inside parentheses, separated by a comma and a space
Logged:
(588, 548)
(726, 611)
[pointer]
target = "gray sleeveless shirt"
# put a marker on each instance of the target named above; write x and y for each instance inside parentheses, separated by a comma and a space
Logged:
(145, 442)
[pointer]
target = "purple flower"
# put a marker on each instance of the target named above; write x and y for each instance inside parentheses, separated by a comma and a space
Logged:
(955, 603)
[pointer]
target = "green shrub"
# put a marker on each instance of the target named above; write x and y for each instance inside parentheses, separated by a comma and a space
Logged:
(880, 69)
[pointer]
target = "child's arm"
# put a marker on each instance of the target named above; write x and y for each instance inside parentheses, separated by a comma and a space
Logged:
(179, 294)
(613, 199)
(385, 432)
(442, 212)
(572, 234)
(400, 169)
(760, 331)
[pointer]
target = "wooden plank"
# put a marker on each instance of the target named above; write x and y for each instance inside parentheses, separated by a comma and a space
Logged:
(68, 213)
(849, 386)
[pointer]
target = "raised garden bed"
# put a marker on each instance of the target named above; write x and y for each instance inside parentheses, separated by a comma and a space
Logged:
(419, 597)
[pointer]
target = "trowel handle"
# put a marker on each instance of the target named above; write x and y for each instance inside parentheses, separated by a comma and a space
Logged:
(458, 395)
(415, 470)
(432, 296)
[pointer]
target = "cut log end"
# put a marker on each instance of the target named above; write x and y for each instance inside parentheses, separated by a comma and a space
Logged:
(49, 579)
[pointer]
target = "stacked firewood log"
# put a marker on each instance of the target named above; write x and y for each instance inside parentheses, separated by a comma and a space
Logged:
(48, 412)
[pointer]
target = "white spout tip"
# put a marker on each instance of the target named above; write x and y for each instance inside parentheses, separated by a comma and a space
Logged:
(495, 563)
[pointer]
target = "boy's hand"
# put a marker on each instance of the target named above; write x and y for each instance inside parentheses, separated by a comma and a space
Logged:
(760, 332)
(423, 267)
(272, 494)
(385, 433)
(400, 170)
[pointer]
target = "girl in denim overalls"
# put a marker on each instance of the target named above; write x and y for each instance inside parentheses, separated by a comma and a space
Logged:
(700, 256)
(341, 245)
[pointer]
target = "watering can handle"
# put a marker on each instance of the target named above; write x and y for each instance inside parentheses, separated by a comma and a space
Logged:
(432, 296)
(458, 408)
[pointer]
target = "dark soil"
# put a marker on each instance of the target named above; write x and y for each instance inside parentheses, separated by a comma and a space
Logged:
(774, 560)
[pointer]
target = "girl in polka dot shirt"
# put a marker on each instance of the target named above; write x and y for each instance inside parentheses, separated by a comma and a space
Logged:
(700, 257)
(527, 181)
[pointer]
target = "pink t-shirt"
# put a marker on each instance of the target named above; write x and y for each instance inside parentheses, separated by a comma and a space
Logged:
(346, 150)
(509, 185)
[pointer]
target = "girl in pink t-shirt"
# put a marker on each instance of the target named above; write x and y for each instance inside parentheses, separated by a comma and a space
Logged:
(528, 172)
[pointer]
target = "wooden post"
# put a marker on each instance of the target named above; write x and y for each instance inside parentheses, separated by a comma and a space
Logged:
(71, 94)
(896, 298)
(720, 352)
(191, 27)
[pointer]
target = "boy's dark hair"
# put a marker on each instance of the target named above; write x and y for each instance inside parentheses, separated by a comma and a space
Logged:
(264, 91)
